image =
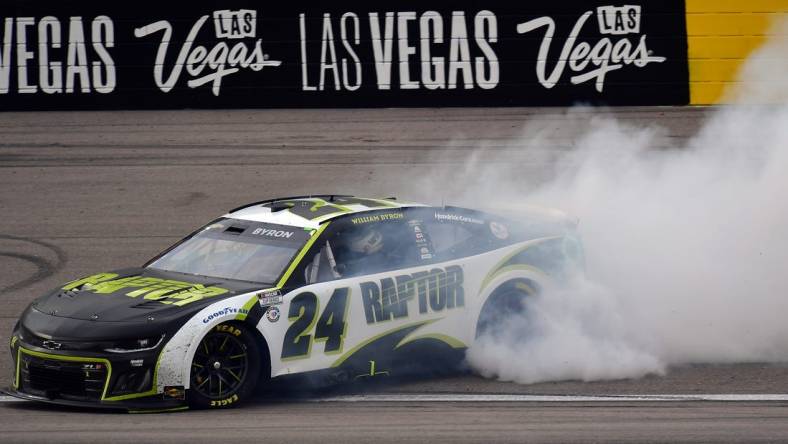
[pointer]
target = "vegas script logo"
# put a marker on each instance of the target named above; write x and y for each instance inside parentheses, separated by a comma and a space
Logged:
(588, 62)
(210, 65)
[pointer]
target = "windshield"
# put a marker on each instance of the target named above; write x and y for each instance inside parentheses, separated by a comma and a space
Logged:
(236, 249)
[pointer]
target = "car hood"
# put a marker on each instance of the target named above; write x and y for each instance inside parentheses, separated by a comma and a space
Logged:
(137, 295)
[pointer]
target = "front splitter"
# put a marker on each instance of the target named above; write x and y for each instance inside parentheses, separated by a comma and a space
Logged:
(151, 404)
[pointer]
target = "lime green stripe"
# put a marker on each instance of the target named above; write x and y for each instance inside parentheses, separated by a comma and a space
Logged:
(16, 374)
(250, 303)
(248, 306)
(525, 287)
(301, 255)
(453, 342)
(515, 267)
(498, 269)
(360, 345)
(319, 203)
(18, 366)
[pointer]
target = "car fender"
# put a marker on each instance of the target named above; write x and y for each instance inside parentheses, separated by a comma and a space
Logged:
(174, 362)
(507, 269)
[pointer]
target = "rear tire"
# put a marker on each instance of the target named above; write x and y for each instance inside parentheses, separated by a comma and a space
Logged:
(506, 302)
(225, 368)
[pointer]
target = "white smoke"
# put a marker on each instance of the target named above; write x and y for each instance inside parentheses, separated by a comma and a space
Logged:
(686, 246)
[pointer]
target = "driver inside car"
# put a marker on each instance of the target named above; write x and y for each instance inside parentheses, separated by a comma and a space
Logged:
(362, 253)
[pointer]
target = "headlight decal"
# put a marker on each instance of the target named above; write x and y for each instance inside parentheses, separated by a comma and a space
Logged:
(143, 344)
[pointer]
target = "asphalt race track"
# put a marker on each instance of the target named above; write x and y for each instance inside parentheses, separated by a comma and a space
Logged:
(87, 192)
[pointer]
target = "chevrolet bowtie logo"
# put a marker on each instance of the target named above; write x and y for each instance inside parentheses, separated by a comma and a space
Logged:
(52, 345)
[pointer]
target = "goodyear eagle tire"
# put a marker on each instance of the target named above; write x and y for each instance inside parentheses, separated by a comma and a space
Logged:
(225, 368)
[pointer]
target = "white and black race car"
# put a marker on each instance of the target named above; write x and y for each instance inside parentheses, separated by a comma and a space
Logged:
(332, 287)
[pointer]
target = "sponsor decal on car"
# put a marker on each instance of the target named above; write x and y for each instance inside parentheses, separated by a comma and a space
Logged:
(436, 290)
(422, 243)
(457, 218)
(166, 291)
(499, 230)
(272, 314)
(224, 312)
(174, 392)
(270, 297)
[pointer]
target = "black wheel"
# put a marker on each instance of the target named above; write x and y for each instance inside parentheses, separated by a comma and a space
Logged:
(506, 302)
(225, 368)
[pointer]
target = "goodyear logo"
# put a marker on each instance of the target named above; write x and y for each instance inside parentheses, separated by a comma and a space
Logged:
(435, 290)
(224, 312)
(166, 291)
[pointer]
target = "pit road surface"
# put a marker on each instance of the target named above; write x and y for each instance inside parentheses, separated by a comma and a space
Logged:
(88, 192)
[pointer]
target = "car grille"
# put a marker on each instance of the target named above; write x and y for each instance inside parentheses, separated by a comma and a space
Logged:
(54, 378)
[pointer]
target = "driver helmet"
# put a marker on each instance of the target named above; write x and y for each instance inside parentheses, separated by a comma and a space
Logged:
(367, 242)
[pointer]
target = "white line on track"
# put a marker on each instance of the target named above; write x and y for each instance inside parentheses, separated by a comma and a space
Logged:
(550, 398)
(530, 398)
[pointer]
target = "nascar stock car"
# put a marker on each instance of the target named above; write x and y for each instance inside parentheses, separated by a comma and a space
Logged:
(333, 287)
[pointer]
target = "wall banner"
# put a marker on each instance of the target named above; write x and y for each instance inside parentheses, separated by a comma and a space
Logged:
(428, 53)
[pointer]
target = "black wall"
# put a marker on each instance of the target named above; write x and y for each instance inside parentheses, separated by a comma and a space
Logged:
(99, 62)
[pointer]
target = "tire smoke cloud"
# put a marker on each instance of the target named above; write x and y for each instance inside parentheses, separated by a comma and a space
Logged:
(686, 246)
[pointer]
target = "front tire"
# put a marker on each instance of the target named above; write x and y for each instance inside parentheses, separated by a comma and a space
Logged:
(225, 368)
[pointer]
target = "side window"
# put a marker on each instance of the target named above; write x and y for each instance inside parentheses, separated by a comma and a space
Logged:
(372, 247)
(457, 233)
(323, 266)
(364, 244)
(452, 240)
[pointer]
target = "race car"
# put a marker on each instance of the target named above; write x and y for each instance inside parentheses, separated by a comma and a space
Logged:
(334, 288)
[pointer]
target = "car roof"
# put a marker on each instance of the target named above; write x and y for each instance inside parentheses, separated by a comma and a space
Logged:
(278, 211)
